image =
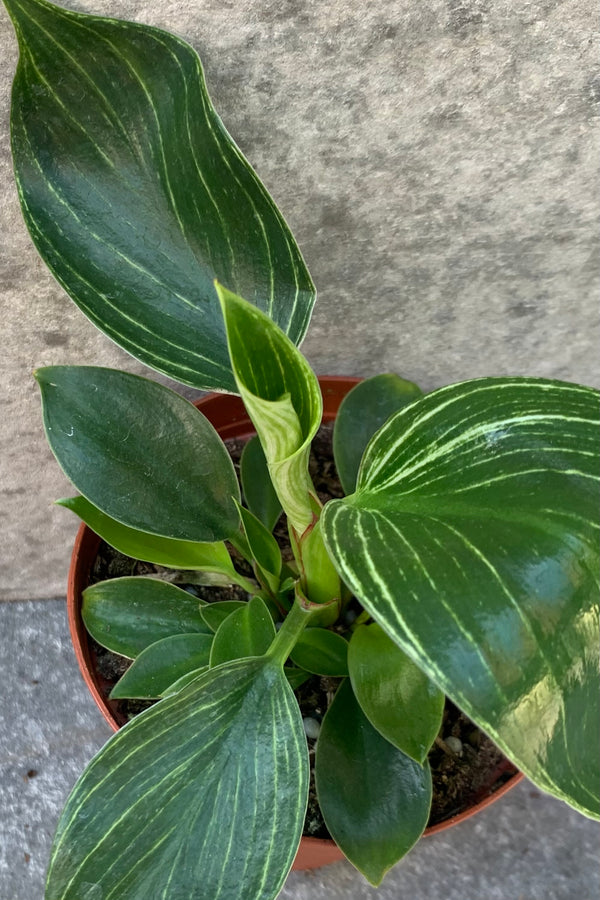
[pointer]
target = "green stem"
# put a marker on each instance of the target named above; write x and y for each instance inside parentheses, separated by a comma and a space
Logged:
(293, 625)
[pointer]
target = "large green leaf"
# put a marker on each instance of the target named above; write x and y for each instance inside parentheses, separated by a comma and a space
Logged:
(375, 800)
(140, 452)
(136, 196)
(362, 412)
(128, 614)
(203, 795)
(472, 539)
(282, 396)
(398, 699)
(162, 664)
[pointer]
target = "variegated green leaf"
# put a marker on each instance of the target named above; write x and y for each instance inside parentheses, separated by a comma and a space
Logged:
(140, 452)
(126, 615)
(282, 396)
(472, 539)
(162, 664)
(229, 745)
(136, 196)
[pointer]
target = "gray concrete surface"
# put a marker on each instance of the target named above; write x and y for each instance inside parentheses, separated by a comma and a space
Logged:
(435, 162)
(526, 847)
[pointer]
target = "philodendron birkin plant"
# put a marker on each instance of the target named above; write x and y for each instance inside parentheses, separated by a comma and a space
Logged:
(467, 536)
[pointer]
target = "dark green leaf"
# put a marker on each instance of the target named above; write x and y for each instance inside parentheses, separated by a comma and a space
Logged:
(375, 800)
(394, 694)
(472, 540)
(282, 396)
(362, 412)
(296, 677)
(263, 546)
(228, 749)
(248, 631)
(162, 664)
(150, 547)
(321, 652)
(257, 486)
(136, 196)
(215, 613)
(140, 452)
(126, 615)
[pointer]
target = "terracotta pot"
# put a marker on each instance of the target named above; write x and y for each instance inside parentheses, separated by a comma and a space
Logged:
(226, 412)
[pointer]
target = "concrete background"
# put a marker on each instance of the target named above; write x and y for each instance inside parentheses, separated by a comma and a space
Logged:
(435, 162)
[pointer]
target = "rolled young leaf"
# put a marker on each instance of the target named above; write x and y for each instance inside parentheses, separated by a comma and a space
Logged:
(282, 396)
(139, 452)
(257, 486)
(162, 664)
(375, 800)
(126, 615)
(472, 540)
(163, 551)
(397, 698)
(362, 412)
(225, 757)
(135, 195)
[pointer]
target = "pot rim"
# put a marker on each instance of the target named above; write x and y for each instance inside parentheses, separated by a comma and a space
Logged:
(227, 414)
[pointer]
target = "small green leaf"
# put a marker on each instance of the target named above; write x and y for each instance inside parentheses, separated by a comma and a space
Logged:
(183, 682)
(257, 486)
(394, 694)
(362, 412)
(115, 434)
(135, 195)
(213, 614)
(296, 677)
(263, 547)
(231, 745)
(472, 539)
(282, 396)
(321, 652)
(163, 551)
(248, 631)
(126, 615)
(375, 800)
(161, 664)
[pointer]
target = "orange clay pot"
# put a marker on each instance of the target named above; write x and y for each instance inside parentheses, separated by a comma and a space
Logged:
(228, 415)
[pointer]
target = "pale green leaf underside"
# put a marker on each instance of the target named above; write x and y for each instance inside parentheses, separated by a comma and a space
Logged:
(229, 748)
(136, 196)
(473, 540)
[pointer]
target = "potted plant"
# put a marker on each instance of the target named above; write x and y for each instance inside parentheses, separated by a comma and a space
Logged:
(465, 547)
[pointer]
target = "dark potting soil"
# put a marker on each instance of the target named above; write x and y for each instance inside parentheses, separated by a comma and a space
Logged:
(465, 764)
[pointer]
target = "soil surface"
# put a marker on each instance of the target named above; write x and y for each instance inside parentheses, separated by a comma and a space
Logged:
(466, 766)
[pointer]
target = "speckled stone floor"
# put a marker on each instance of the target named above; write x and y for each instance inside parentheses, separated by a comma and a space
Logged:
(526, 847)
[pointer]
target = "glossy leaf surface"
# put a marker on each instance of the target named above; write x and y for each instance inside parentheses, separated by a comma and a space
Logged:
(213, 614)
(183, 681)
(472, 539)
(398, 699)
(140, 452)
(362, 412)
(321, 652)
(263, 546)
(248, 631)
(282, 396)
(230, 745)
(163, 663)
(126, 615)
(257, 486)
(136, 196)
(375, 800)
(151, 547)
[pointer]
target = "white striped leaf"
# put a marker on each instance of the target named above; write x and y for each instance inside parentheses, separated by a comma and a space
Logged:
(135, 195)
(282, 396)
(472, 539)
(201, 796)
